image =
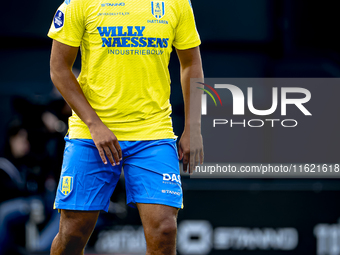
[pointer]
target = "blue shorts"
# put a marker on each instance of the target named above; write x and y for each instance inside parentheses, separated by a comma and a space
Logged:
(151, 171)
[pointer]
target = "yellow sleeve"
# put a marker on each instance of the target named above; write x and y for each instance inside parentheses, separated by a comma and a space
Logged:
(186, 35)
(68, 24)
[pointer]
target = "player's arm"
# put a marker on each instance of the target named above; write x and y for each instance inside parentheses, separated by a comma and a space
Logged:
(191, 67)
(62, 60)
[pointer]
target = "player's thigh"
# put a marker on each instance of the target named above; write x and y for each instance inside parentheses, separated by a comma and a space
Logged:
(77, 224)
(86, 183)
(158, 219)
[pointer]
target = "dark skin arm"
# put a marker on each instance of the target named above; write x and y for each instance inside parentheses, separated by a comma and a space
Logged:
(190, 146)
(62, 60)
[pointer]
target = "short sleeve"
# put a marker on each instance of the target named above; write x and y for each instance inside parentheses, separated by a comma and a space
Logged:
(186, 35)
(68, 24)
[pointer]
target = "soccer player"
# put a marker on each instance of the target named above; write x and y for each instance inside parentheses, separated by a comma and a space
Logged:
(121, 114)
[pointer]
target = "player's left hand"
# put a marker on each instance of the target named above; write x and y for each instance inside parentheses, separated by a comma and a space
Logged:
(190, 149)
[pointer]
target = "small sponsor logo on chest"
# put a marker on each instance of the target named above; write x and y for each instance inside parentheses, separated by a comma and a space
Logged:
(112, 4)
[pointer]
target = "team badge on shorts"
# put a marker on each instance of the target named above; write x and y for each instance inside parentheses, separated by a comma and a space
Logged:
(66, 185)
(158, 9)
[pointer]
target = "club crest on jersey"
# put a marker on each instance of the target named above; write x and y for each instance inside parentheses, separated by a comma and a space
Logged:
(158, 9)
(58, 19)
(67, 185)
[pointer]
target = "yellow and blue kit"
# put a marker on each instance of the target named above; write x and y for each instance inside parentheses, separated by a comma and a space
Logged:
(125, 52)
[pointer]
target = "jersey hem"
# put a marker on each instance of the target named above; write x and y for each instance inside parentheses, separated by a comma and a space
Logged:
(129, 138)
(126, 134)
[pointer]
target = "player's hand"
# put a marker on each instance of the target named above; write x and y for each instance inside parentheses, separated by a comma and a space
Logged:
(106, 143)
(191, 153)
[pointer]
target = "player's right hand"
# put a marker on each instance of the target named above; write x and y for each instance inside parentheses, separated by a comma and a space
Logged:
(106, 143)
(190, 150)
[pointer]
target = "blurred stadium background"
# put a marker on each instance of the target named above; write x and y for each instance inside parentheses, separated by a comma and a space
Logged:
(240, 38)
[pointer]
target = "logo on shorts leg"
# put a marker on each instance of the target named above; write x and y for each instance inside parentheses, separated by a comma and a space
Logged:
(171, 192)
(66, 185)
(171, 179)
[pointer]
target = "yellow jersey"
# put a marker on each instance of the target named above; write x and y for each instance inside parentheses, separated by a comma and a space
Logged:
(125, 50)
